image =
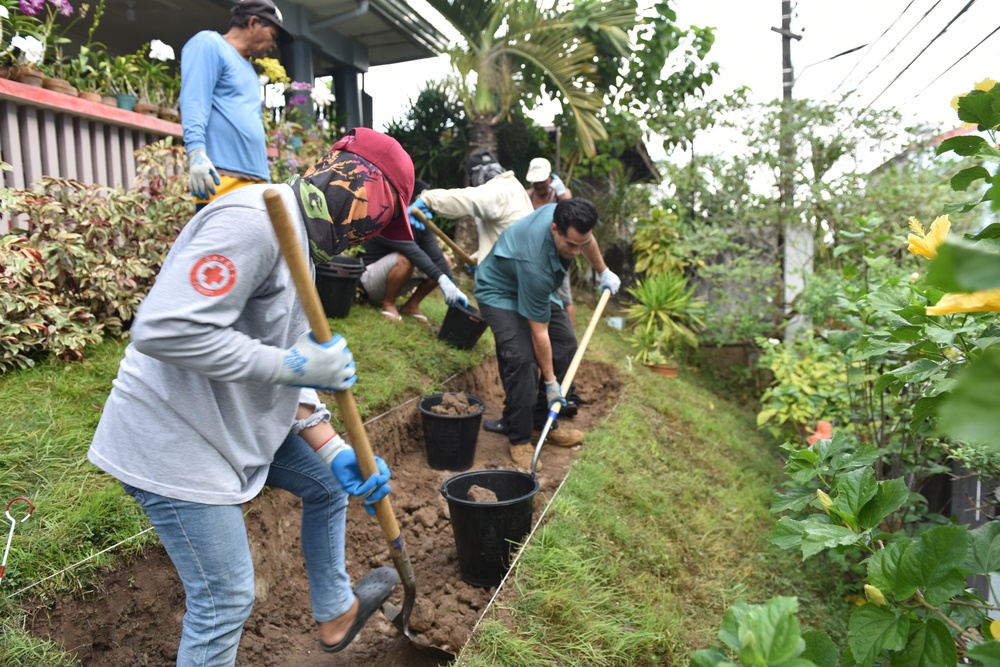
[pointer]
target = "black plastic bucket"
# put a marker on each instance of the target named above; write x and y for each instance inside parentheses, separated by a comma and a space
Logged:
(462, 327)
(484, 532)
(337, 282)
(450, 439)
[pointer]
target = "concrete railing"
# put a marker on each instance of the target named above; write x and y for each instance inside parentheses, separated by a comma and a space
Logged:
(45, 133)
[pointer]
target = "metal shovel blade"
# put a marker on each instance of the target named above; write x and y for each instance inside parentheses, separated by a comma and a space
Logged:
(395, 615)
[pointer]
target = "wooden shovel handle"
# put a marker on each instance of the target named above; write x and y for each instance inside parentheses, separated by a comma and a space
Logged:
(444, 237)
(291, 251)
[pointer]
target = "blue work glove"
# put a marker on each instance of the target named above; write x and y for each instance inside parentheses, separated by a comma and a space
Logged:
(471, 269)
(375, 488)
(553, 394)
(557, 186)
(201, 173)
(421, 206)
(452, 294)
(609, 280)
(329, 366)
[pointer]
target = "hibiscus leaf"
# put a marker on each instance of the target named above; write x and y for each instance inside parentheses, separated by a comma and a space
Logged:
(963, 179)
(961, 266)
(972, 410)
(964, 146)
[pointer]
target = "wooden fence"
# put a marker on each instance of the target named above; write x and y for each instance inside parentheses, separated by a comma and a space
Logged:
(45, 133)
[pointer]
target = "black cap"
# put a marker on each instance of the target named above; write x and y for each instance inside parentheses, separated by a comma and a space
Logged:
(266, 10)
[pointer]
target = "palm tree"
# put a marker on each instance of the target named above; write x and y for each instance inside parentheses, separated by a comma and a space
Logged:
(519, 50)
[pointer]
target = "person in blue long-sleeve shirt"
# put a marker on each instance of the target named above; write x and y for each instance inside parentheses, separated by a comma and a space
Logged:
(220, 101)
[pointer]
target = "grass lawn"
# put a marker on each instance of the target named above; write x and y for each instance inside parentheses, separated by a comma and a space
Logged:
(661, 524)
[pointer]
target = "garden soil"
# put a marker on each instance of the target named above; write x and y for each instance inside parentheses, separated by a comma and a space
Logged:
(133, 618)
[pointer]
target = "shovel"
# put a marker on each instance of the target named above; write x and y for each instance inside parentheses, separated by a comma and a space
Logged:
(306, 289)
(444, 237)
(570, 374)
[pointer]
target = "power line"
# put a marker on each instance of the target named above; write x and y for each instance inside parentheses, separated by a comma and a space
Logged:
(879, 64)
(995, 31)
(943, 30)
(872, 45)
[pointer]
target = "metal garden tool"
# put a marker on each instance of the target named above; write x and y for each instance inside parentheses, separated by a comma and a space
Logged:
(444, 237)
(13, 523)
(306, 289)
(570, 374)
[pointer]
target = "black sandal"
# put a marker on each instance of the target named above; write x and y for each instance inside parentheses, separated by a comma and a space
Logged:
(372, 591)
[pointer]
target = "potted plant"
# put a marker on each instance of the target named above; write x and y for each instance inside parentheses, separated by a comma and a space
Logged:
(82, 73)
(153, 76)
(121, 78)
(664, 317)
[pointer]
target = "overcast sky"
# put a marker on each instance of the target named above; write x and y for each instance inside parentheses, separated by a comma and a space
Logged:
(749, 53)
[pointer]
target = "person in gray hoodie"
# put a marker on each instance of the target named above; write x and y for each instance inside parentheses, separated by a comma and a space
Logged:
(216, 397)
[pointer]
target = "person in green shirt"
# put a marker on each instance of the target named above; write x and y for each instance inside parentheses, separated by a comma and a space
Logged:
(535, 342)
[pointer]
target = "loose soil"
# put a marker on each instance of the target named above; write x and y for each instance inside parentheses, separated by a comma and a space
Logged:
(453, 404)
(134, 617)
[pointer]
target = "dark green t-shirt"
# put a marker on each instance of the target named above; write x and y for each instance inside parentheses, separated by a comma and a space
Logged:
(523, 269)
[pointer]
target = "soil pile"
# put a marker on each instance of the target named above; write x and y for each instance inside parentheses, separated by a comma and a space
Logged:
(455, 404)
(134, 616)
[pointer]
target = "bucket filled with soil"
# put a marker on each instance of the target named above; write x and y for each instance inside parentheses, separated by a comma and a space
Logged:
(462, 327)
(451, 429)
(491, 512)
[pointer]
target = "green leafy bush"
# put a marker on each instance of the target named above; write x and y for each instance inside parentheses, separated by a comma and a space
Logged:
(88, 257)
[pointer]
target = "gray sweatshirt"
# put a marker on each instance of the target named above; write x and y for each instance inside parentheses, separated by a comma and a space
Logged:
(193, 413)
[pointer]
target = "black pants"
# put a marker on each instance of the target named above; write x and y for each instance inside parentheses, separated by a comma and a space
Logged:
(524, 406)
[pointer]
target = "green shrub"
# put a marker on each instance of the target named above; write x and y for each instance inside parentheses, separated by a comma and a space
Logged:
(89, 255)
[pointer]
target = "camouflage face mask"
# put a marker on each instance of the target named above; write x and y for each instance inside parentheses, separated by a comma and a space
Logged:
(344, 200)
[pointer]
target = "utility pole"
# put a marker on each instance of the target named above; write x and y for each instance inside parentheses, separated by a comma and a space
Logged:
(786, 146)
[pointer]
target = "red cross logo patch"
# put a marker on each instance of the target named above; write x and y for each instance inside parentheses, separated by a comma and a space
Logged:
(213, 275)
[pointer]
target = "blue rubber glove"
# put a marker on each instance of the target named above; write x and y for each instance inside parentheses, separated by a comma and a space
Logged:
(201, 173)
(553, 394)
(452, 294)
(421, 206)
(375, 488)
(471, 269)
(329, 366)
(609, 280)
(557, 186)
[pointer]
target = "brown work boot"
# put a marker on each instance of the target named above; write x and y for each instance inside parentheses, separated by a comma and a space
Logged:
(522, 455)
(561, 437)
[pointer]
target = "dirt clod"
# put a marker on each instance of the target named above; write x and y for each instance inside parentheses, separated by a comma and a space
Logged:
(455, 404)
(479, 494)
(121, 623)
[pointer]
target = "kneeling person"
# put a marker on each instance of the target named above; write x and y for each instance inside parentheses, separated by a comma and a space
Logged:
(535, 342)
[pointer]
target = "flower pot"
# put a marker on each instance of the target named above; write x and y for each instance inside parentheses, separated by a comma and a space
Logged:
(666, 370)
(110, 100)
(29, 76)
(58, 85)
(92, 96)
(124, 101)
(146, 109)
(5, 72)
(170, 114)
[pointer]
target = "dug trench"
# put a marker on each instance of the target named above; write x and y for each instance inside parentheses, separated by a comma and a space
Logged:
(133, 615)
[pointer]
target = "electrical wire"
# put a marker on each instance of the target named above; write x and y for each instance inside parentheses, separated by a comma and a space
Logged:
(995, 31)
(872, 45)
(943, 31)
(879, 64)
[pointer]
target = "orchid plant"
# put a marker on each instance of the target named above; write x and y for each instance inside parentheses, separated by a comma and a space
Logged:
(154, 78)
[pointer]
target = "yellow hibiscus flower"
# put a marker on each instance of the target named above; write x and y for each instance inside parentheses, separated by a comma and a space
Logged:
(983, 301)
(926, 243)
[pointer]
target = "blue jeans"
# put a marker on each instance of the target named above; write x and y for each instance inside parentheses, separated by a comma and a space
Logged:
(208, 546)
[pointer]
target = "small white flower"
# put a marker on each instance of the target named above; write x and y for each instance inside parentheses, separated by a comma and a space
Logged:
(160, 51)
(32, 49)
(264, 79)
(914, 277)
(4, 13)
(321, 96)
